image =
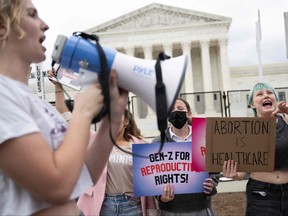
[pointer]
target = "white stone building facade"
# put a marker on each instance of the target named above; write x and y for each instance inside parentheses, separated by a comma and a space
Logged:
(176, 31)
(146, 32)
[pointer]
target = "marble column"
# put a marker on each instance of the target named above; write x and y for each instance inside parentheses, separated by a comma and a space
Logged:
(129, 51)
(224, 64)
(207, 76)
(188, 82)
(206, 68)
(148, 51)
(142, 107)
(168, 49)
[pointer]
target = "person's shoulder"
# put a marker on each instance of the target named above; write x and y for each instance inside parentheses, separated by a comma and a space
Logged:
(13, 88)
(156, 139)
(283, 116)
(138, 140)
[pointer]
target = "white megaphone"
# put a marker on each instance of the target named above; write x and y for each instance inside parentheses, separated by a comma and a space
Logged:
(135, 75)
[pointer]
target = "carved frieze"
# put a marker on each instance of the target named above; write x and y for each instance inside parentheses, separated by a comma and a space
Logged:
(156, 16)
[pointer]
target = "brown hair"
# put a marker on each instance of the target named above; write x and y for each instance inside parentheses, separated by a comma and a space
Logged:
(10, 17)
(185, 102)
(187, 106)
(131, 128)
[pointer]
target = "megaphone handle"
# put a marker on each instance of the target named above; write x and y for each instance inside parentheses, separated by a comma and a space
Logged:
(104, 81)
(161, 98)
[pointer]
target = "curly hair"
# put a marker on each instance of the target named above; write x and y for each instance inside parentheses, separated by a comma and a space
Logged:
(10, 17)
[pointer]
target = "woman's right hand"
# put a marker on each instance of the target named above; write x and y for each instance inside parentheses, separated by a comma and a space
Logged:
(51, 75)
(89, 102)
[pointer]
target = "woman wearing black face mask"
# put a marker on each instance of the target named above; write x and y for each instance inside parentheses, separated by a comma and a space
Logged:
(178, 119)
(193, 204)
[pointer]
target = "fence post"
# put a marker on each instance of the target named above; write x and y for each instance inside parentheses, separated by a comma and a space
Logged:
(225, 106)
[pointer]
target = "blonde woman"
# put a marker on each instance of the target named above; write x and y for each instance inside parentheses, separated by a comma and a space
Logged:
(42, 159)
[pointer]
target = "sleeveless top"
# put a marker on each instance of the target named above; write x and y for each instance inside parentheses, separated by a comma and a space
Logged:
(281, 149)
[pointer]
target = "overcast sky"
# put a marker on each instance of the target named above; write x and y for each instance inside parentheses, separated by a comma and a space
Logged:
(67, 16)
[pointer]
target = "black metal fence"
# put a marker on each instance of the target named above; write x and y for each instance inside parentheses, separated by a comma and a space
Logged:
(232, 103)
(237, 102)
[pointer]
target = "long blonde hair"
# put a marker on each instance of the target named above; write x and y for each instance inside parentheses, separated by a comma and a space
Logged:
(10, 17)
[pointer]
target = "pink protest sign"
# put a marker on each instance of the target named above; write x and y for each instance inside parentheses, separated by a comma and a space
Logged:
(198, 146)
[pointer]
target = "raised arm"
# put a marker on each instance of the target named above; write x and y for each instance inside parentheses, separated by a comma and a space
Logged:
(99, 150)
(59, 94)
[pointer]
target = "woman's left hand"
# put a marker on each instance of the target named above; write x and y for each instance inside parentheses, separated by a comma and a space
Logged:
(208, 186)
(118, 98)
(168, 193)
(281, 108)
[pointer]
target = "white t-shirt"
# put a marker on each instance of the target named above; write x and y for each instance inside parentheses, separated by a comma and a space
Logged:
(22, 112)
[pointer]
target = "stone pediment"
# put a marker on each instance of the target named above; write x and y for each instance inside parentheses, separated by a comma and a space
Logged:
(158, 16)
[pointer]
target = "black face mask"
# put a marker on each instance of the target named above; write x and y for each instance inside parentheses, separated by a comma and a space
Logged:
(178, 119)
